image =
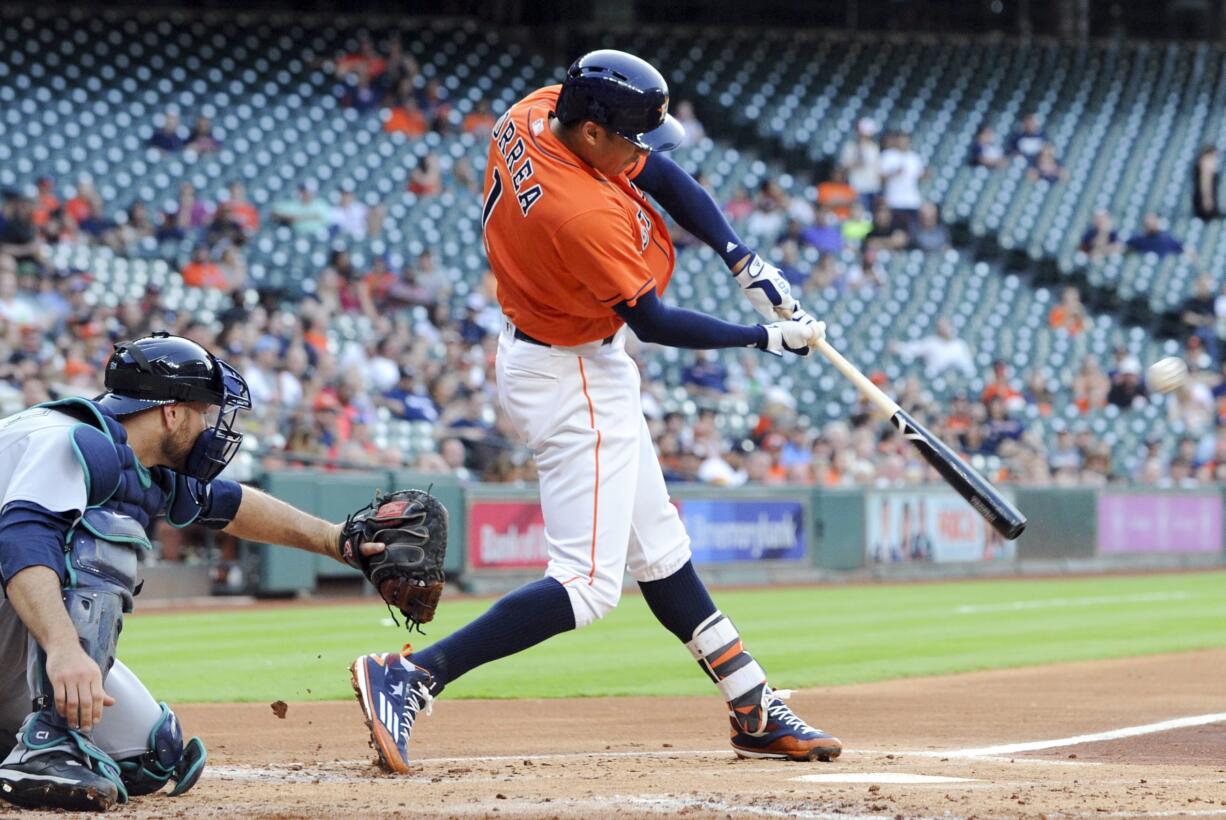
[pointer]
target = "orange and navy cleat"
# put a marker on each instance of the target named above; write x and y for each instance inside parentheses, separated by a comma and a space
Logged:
(391, 690)
(764, 726)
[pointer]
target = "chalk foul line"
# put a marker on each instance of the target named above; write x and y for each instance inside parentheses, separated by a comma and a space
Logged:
(1097, 737)
(1056, 603)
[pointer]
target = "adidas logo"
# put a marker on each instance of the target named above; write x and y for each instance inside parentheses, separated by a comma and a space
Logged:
(388, 716)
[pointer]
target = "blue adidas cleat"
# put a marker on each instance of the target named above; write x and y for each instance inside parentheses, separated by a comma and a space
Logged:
(767, 728)
(391, 690)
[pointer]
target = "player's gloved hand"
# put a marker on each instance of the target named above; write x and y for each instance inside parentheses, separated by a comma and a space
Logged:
(766, 289)
(798, 336)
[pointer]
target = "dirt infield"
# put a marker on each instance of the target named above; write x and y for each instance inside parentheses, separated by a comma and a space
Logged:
(637, 756)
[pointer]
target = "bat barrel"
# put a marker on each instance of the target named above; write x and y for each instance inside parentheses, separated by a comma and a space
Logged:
(1005, 518)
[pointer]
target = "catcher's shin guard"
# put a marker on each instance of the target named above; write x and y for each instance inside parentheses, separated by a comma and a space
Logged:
(391, 690)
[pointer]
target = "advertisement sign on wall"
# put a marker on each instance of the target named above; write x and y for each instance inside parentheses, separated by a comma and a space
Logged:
(506, 535)
(930, 527)
(511, 534)
(1158, 522)
(730, 530)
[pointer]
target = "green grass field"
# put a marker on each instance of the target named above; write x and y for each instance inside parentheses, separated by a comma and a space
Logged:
(803, 636)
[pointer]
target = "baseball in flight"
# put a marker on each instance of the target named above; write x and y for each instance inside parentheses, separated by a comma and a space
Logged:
(1166, 375)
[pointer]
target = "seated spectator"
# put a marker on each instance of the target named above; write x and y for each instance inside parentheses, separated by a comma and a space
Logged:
(242, 212)
(203, 272)
(480, 120)
(475, 325)
(233, 267)
(866, 276)
(769, 216)
(694, 130)
(707, 374)
(1154, 238)
(1001, 426)
(986, 151)
(790, 264)
(1192, 405)
(18, 234)
(941, 352)
(836, 195)
(929, 234)
(862, 159)
(1199, 316)
(1046, 167)
(16, 308)
(306, 215)
(169, 230)
(1038, 392)
(168, 137)
(1069, 315)
(405, 117)
(46, 203)
(1127, 389)
(886, 234)
(408, 400)
(1205, 180)
(349, 216)
(827, 273)
(1028, 140)
(138, 226)
(999, 387)
(857, 226)
(432, 100)
(1101, 238)
(427, 178)
(193, 212)
(740, 205)
(364, 60)
(1090, 385)
(361, 95)
(201, 139)
(824, 234)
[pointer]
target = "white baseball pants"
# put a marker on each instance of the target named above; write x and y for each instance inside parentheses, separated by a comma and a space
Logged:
(603, 497)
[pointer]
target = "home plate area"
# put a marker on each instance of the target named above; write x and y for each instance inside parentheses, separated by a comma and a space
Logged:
(1133, 737)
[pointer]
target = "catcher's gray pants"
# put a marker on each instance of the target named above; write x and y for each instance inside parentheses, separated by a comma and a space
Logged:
(124, 729)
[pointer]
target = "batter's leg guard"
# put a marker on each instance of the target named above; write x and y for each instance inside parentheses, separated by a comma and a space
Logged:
(762, 724)
(167, 759)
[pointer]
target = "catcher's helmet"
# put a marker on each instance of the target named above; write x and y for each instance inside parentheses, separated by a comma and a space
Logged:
(161, 369)
(622, 93)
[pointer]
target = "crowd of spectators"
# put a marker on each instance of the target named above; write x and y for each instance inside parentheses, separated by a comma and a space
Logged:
(428, 359)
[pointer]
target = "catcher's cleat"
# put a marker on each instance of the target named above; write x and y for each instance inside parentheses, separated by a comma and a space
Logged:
(56, 780)
(775, 731)
(391, 690)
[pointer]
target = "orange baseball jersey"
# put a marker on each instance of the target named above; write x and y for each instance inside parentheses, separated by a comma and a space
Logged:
(565, 242)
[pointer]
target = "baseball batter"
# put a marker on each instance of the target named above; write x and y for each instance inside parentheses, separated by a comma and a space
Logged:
(80, 484)
(579, 253)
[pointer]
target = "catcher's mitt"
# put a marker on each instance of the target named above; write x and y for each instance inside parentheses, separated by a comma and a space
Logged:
(412, 525)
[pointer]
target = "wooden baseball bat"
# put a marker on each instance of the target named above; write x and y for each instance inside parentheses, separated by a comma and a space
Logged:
(1005, 518)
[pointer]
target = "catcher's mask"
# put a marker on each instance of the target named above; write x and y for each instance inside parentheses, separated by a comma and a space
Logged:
(162, 369)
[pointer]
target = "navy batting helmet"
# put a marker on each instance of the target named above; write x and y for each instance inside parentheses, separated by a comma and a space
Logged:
(622, 93)
(161, 369)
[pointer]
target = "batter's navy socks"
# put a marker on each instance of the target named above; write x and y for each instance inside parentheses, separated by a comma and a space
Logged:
(784, 735)
(680, 602)
(520, 619)
(392, 691)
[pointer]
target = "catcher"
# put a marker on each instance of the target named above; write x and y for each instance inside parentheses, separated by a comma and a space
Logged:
(81, 483)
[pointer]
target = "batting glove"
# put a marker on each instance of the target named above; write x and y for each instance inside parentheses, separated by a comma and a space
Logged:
(796, 336)
(766, 289)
